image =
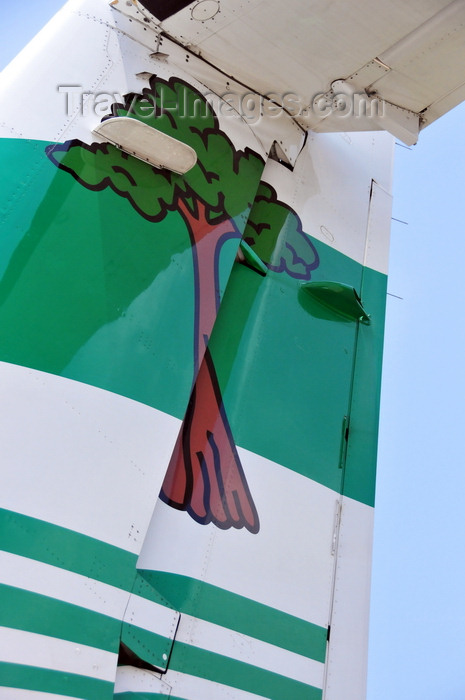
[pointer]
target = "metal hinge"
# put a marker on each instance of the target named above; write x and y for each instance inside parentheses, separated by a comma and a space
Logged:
(337, 521)
(344, 442)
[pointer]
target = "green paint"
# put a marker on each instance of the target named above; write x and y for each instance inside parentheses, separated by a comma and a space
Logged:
(78, 290)
(147, 645)
(339, 298)
(287, 378)
(221, 669)
(32, 612)
(25, 177)
(360, 471)
(144, 589)
(274, 231)
(86, 278)
(58, 546)
(59, 682)
(286, 369)
(243, 615)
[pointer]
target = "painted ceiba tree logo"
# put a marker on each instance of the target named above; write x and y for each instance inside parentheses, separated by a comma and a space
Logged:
(205, 476)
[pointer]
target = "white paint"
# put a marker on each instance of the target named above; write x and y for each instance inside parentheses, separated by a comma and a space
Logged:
(136, 680)
(317, 44)
(79, 80)
(194, 688)
(347, 656)
(30, 649)
(379, 228)
(279, 127)
(54, 582)
(242, 647)
(68, 67)
(330, 189)
(151, 616)
(335, 172)
(205, 10)
(21, 694)
(83, 458)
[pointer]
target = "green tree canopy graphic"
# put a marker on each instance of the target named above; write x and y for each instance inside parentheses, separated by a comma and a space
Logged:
(275, 233)
(176, 109)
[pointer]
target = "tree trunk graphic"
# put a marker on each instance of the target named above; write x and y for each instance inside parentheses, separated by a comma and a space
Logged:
(205, 475)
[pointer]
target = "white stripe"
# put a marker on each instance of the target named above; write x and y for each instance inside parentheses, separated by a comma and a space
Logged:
(151, 616)
(21, 694)
(249, 650)
(348, 649)
(195, 688)
(136, 680)
(48, 580)
(30, 649)
(93, 461)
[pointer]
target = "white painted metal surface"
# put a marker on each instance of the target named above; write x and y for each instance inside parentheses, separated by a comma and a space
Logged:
(137, 680)
(56, 654)
(147, 144)
(68, 429)
(303, 48)
(61, 584)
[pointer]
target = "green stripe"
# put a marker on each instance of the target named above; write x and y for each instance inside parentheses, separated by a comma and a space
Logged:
(32, 612)
(58, 546)
(149, 646)
(221, 669)
(59, 682)
(241, 614)
(145, 590)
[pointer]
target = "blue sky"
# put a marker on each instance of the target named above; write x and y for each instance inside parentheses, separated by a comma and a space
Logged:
(418, 602)
(418, 599)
